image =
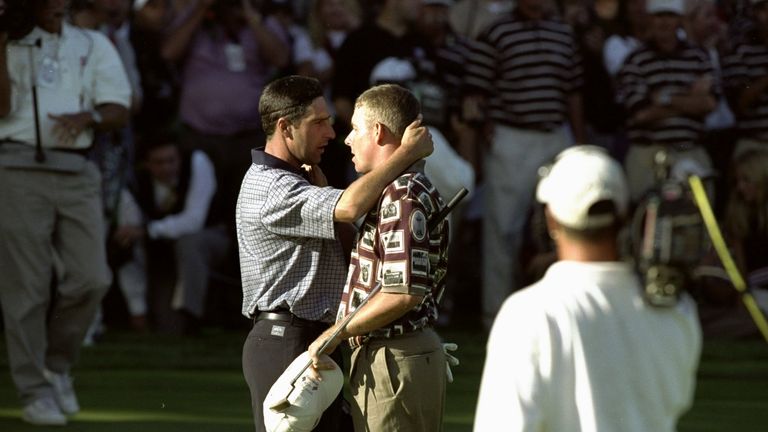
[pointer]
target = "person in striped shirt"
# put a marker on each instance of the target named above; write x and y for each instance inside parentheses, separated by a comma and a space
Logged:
(667, 89)
(524, 78)
(746, 76)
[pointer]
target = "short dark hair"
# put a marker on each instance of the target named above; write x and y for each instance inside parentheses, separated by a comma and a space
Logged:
(391, 105)
(289, 97)
(157, 139)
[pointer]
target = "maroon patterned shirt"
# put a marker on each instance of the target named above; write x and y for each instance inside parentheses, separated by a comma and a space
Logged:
(394, 246)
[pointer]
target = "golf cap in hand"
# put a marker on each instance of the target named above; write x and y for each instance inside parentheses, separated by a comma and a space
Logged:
(308, 399)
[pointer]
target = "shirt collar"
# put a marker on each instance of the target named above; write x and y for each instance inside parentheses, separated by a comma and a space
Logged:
(260, 157)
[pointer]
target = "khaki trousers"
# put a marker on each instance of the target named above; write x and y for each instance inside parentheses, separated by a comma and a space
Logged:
(398, 384)
(49, 217)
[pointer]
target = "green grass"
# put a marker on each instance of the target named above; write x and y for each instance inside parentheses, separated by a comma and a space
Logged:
(150, 383)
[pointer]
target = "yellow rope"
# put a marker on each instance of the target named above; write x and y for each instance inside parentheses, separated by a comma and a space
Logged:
(725, 256)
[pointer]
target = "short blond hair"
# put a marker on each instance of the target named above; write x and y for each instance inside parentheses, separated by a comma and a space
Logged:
(391, 105)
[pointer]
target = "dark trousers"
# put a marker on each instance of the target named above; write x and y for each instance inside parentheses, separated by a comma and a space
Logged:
(267, 356)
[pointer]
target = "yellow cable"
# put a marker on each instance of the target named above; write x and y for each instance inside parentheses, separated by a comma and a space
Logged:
(725, 256)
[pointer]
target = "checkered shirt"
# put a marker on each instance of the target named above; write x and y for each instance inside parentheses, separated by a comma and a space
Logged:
(289, 255)
(394, 246)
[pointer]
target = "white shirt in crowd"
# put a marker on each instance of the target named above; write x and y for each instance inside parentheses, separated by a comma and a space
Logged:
(202, 187)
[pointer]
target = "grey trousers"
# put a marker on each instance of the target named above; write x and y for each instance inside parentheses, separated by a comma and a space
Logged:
(49, 218)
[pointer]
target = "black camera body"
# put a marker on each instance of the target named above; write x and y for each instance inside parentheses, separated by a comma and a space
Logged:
(18, 19)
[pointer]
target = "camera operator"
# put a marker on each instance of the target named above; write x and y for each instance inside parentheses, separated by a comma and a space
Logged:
(58, 84)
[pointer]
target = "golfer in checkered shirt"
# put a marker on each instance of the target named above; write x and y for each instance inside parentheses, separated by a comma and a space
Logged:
(395, 247)
(292, 263)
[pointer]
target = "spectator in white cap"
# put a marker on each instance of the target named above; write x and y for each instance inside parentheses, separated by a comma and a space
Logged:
(667, 88)
(580, 350)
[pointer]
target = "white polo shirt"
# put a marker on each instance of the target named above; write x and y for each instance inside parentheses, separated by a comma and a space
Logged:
(581, 351)
(75, 71)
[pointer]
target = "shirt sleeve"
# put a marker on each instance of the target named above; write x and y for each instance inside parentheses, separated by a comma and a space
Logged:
(110, 84)
(481, 66)
(404, 243)
(295, 208)
(202, 187)
(633, 90)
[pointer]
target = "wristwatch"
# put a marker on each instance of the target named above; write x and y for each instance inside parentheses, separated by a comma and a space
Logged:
(96, 116)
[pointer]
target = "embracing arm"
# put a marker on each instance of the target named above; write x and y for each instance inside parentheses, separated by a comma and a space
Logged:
(364, 192)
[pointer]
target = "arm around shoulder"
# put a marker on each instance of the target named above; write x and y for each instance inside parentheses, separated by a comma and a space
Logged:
(363, 193)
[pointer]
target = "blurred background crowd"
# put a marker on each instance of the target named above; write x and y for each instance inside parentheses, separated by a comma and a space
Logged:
(504, 84)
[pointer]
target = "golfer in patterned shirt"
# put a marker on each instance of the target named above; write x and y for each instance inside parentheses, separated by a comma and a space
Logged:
(396, 248)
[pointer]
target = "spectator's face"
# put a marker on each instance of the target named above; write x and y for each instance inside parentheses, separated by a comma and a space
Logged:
(311, 135)
(164, 164)
(746, 187)
(761, 16)
(334, 15)
(664, 27)
(115, 10)
(409, 9)
(49, 14)
(433, 19)
(362, 141)
(532, 9)
(704, 22)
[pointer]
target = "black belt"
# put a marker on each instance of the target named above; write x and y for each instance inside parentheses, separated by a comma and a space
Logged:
(286, 317)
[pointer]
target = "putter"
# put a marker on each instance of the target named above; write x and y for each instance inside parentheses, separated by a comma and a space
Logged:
(283, 404)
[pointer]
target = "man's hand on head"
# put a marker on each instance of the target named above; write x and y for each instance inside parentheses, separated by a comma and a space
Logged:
(417, 140)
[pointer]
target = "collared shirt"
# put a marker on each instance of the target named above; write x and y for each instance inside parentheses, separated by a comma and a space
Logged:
(529, 68)
(289, 255)
(395, 247)
(582, 351)
(647, 71)
(222, 79)
(75, 71)
(748, 63)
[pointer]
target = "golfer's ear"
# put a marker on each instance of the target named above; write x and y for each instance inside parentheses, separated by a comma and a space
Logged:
(380, 132)
(284, 128)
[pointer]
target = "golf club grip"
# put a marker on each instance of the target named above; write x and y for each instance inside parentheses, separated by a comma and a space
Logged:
(336, 332)
(434, 222)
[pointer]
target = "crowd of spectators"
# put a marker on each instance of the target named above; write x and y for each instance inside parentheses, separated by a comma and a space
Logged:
(507, 84)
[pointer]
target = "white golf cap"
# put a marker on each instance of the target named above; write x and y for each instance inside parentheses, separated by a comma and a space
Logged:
(308, 399)
(580, 177)
(392, 70)
(662, 6)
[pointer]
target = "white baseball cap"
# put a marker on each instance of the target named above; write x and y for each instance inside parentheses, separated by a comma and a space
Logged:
(309, 397)
(580, 177)
(392, 70)
(661, 6)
